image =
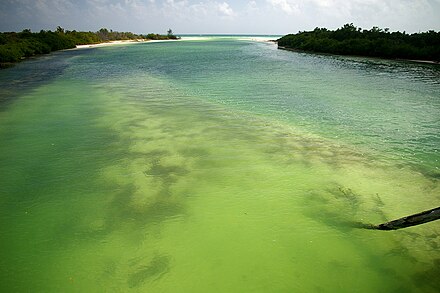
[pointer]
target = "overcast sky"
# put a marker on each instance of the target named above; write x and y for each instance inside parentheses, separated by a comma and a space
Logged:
(218, 16)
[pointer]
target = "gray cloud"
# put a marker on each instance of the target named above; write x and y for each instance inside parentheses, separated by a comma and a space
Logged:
(218, 16)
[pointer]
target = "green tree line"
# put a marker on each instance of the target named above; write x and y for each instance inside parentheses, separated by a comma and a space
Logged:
(15, 46)
(376, 42)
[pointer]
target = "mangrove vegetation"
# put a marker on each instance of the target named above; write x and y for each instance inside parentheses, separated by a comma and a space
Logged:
(15, 46)
(376, 42)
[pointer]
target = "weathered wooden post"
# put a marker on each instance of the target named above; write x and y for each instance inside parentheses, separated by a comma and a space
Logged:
(413, 220)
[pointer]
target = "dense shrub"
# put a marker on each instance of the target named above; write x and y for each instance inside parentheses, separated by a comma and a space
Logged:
(17, 46)
(350, 40)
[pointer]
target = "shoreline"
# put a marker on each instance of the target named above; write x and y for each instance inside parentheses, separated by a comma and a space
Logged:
(4, 65)
(119, 42)
(184, 38)
(110, 43)
(374, 57)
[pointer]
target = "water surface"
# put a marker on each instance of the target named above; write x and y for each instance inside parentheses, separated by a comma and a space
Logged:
(219, 165)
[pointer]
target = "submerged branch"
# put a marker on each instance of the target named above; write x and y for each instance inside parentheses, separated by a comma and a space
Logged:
(408, 221)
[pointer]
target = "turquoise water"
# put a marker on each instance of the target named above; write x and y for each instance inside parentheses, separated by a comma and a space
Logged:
(217, 165)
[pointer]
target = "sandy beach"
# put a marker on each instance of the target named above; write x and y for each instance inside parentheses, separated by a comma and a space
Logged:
(242, 38)
(121, 42)
(184, 38)
(111, 43)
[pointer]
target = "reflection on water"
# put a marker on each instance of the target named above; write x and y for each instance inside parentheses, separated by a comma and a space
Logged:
(141, 168)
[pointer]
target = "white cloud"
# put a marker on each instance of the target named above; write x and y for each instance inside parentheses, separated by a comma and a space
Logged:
(175, 5)
(218, 16)
(395, 14)
(253, 5)
(289, 7)
(225, 9)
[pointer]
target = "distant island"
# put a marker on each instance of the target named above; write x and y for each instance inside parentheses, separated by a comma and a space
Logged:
(15, 47)
(376, 42)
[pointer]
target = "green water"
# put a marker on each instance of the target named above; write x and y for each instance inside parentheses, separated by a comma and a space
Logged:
(222, 165)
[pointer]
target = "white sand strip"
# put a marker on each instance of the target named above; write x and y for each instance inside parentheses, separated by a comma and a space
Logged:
(121, 42)
(111, 43)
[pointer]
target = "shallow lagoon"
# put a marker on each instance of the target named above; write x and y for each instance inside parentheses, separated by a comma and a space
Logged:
(217, 166)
